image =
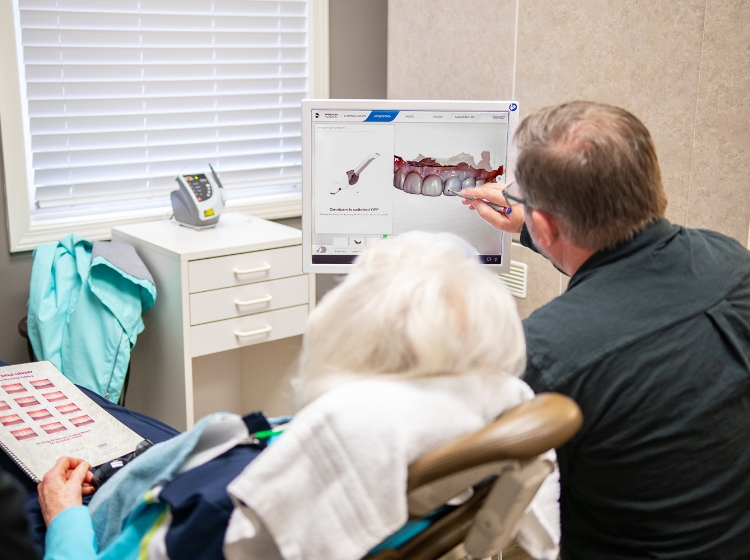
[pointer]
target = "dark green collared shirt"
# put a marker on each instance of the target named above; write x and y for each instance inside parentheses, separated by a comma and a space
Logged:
(652, 340)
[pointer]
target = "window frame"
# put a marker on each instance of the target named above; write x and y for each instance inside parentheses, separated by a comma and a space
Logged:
(23, 234)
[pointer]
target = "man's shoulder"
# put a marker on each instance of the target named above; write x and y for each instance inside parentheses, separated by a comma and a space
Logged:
(715, 242)
(632, 297)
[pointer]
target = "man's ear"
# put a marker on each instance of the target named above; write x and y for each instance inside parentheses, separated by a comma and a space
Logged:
(545, 228)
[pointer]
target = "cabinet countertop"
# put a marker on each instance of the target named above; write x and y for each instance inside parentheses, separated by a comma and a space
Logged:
(235, 233)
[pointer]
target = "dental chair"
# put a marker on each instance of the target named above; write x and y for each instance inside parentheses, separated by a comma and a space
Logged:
(499, 467)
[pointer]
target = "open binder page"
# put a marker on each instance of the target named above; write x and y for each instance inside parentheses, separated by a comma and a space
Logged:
(43, 417)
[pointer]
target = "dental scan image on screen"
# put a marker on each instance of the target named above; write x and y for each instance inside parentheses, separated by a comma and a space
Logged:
(377, 174)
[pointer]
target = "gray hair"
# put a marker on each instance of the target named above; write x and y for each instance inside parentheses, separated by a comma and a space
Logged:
(412, 307)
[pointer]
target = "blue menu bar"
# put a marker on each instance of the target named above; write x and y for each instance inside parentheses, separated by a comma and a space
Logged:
(381, 116)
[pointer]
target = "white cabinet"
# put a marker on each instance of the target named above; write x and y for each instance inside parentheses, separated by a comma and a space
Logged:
(228, 303)
(252, 329)
(244, 268)
(219, 292)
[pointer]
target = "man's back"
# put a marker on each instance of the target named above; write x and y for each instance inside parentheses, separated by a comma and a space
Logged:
(652, 339)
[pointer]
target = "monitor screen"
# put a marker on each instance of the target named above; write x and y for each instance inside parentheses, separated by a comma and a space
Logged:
(374, 169)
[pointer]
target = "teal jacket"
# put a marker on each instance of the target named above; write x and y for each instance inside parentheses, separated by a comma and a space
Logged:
(70, 535)
(85, 306)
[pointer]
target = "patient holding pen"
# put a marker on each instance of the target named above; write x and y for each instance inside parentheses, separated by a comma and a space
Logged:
(399, 360)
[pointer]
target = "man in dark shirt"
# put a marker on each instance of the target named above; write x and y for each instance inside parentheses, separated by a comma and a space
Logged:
(651, 338)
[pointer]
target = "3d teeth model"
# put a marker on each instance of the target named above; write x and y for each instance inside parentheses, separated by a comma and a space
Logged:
(433, 177)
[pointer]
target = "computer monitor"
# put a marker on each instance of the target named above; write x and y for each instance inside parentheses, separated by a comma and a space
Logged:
(376, 169)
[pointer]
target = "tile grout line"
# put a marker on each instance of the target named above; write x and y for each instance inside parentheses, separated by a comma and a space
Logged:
(695, 116)
(515, 53)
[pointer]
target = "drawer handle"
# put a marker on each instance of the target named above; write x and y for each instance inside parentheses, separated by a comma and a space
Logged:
(264, 299)
(264, 330)
(263, 268)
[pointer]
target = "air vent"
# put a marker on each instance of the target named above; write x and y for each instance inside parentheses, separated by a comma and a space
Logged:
(516, 279)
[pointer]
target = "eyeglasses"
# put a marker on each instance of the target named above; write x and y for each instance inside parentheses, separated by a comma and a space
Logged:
(513, 194)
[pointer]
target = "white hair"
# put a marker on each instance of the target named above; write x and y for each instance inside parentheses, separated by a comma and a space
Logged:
(416, 306)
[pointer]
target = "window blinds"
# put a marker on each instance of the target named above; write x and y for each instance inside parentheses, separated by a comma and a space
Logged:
(123, 94)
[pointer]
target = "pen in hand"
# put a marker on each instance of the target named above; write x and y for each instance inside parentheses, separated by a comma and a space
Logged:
(502, 209)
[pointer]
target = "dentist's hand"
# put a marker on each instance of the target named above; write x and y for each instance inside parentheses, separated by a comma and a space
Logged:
(512, 223)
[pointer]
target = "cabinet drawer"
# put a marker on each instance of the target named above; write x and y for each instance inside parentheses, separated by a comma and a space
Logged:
(251, 329)
(249, 299)
(245, 268)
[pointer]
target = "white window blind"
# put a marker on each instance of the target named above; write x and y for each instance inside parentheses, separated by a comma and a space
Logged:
(122, 94)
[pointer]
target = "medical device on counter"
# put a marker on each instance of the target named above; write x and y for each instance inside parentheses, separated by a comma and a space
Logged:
(198, 203)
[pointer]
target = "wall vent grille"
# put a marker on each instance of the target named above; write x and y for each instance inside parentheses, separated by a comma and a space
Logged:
(517, 279)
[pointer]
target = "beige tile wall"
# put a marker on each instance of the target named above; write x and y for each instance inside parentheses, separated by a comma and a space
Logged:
(450, 49)
(682, 66)
(719, 195)
(642, 55)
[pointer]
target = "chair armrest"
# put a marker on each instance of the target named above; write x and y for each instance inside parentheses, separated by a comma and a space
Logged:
(547, 421)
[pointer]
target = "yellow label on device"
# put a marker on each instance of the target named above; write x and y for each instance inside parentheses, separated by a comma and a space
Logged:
(209, 212)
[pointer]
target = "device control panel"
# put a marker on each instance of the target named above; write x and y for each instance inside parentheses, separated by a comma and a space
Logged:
(199, 185)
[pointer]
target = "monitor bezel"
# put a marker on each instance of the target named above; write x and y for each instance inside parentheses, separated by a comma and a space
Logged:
(308, 105)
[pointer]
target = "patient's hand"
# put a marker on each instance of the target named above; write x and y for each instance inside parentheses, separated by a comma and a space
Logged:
(64, 486)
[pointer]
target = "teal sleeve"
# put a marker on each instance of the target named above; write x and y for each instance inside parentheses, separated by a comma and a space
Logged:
(71, 536)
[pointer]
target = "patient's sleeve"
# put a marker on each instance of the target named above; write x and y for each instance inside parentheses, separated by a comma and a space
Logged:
(71, 536)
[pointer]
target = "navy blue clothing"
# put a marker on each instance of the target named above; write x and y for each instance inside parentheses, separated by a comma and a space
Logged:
(652, 340)
(200, 504)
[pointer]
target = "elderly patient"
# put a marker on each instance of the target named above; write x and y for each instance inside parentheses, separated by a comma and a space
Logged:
(418, 346)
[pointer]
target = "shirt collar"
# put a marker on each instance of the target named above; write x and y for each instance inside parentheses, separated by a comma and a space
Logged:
(622, 249)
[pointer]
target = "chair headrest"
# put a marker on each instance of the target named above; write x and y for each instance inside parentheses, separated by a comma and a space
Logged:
(547, 421)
